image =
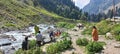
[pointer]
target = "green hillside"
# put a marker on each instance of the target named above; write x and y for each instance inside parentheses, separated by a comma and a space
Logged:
(65, 8)
(16, 14)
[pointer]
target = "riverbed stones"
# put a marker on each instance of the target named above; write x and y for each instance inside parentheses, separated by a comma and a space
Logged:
(10, 37)
(4, 36)
(4, 42)
(117, 45)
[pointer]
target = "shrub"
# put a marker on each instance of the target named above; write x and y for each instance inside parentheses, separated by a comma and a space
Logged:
(19, 51)
(59, 46)
(31, 51)
(65, 34)
(94, 47)
(117, 38)
(10, 25)
(104, 27)
(116, 29)
(87, 31)
(38, 51)
(82, 42)
(32, 43)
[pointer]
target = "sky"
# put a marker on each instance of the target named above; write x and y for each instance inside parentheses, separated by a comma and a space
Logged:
(81, 3)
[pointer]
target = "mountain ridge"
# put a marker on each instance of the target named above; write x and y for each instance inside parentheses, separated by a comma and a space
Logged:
(98, 6)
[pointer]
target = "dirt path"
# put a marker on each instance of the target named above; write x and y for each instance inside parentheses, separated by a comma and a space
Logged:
(75, 35)
(108, 48)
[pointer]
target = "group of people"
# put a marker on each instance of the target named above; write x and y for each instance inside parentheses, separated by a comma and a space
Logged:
(40, 39)
(52, 34)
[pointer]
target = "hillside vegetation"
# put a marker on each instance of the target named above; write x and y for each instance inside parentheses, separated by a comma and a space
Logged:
(17, 14)
(103, 28)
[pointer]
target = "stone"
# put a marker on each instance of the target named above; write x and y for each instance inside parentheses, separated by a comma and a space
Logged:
(76, 35)
(75, 30)
(104, 47)
(117, 45)
(4, 42)
(4, 36)
(109, 35)
(102, 51)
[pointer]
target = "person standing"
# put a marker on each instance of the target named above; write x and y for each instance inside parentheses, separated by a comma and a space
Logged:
(51, 35)
(25, 44)
(39, 38)
(95, 34)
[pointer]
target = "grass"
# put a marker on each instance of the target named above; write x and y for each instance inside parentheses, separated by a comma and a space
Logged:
(31, 51)
(90, 47)
(24, 14)
(59, 46)
(103, 27)
(116, 29)
(82, 42)
(88, 29)
(65, 25)
(94, 47)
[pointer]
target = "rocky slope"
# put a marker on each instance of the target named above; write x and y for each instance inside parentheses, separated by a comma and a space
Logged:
(97, 6)
(18, 14)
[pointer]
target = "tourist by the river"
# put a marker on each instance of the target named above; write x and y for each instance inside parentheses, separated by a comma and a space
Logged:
(95, 34)
(39, 38)
(57, 33)
(25, 44)
(51, 35)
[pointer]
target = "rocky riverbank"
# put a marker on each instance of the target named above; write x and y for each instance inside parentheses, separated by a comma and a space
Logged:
(12, 40)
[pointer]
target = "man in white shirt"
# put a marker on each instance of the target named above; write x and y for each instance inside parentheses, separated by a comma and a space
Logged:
(39, 38)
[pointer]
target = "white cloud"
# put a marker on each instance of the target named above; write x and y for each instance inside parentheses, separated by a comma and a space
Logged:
(81, 3)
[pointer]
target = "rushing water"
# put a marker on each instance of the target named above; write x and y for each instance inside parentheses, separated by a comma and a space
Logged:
(19, 38)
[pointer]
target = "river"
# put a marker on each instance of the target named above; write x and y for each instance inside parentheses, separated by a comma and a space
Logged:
(19, 36)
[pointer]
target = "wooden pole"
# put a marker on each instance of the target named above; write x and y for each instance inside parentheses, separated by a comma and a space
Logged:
(114, 10)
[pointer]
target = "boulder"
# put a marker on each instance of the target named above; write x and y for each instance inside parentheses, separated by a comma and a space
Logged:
(117, 45)
(4, 42)
(4, 36)
(109, 35)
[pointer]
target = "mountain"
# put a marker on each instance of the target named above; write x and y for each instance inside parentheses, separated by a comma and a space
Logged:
(111, 7)
(65, 8)
(98, 6)
(18, 14)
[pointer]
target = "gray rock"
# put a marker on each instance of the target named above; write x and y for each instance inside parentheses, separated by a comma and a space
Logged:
(104, 47)
(117, 45)
(4, 42)
(76, 35)
(109, 35)
(74, 30)
(4, 36)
